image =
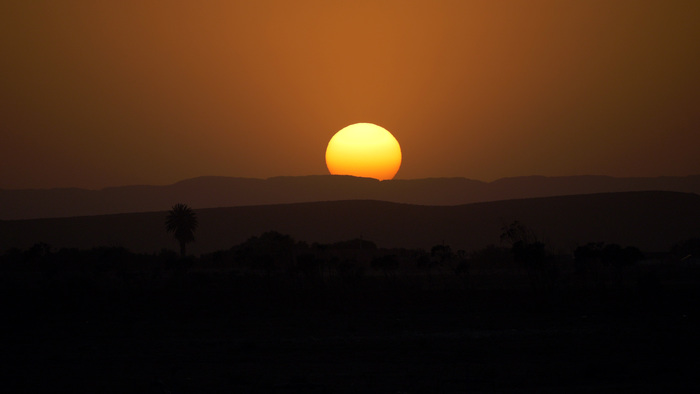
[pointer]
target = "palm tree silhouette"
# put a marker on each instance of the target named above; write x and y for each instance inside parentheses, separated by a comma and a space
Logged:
(182, 222)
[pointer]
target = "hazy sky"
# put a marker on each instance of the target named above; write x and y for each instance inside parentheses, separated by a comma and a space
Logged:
(106, 93)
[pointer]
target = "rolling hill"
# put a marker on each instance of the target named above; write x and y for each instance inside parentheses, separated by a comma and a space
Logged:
(652, 221)
(211, 192)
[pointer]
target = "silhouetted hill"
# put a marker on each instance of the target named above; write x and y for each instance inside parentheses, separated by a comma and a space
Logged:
(210, 192)
(652, 221)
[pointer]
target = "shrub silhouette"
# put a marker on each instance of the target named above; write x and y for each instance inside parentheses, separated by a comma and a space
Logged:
(688, 249)
(310, 266)
(350, 272)
(592, 258)
(387, 263)
(439, 255)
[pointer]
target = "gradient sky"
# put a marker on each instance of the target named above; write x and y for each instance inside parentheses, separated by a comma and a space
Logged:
(96, 94)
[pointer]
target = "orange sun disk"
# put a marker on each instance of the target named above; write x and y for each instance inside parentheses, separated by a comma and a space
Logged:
(364, 150)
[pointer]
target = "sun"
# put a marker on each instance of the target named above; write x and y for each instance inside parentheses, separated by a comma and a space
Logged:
(364, 150)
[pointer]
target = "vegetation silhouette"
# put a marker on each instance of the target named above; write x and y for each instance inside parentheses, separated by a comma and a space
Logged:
(346, 310)
(530, 252)
(387, 263)
(688, 250)
(182, 222)
(599, 263)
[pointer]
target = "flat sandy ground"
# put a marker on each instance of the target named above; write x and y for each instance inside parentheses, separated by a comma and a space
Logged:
(237, 336)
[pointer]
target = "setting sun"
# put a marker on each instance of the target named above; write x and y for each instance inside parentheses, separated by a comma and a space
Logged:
(364, 150)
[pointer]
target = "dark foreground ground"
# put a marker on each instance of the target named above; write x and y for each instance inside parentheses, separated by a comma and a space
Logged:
(262, 335)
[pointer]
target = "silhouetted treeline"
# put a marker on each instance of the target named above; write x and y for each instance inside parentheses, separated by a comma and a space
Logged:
(270, 312)
(521, 261)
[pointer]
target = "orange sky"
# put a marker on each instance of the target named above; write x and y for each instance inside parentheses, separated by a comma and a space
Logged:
(152, 92)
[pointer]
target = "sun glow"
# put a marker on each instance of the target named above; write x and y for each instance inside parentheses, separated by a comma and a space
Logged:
(364, 150)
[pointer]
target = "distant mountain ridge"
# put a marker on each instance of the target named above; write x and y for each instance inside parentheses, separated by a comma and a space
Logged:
(211, 192)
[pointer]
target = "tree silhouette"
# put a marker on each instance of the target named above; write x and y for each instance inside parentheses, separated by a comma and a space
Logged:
(517, 232)
(182, 222)
(528, 251)
(269, 252)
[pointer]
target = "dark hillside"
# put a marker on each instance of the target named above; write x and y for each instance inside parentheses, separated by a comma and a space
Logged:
(652, 221)
(213, 192)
